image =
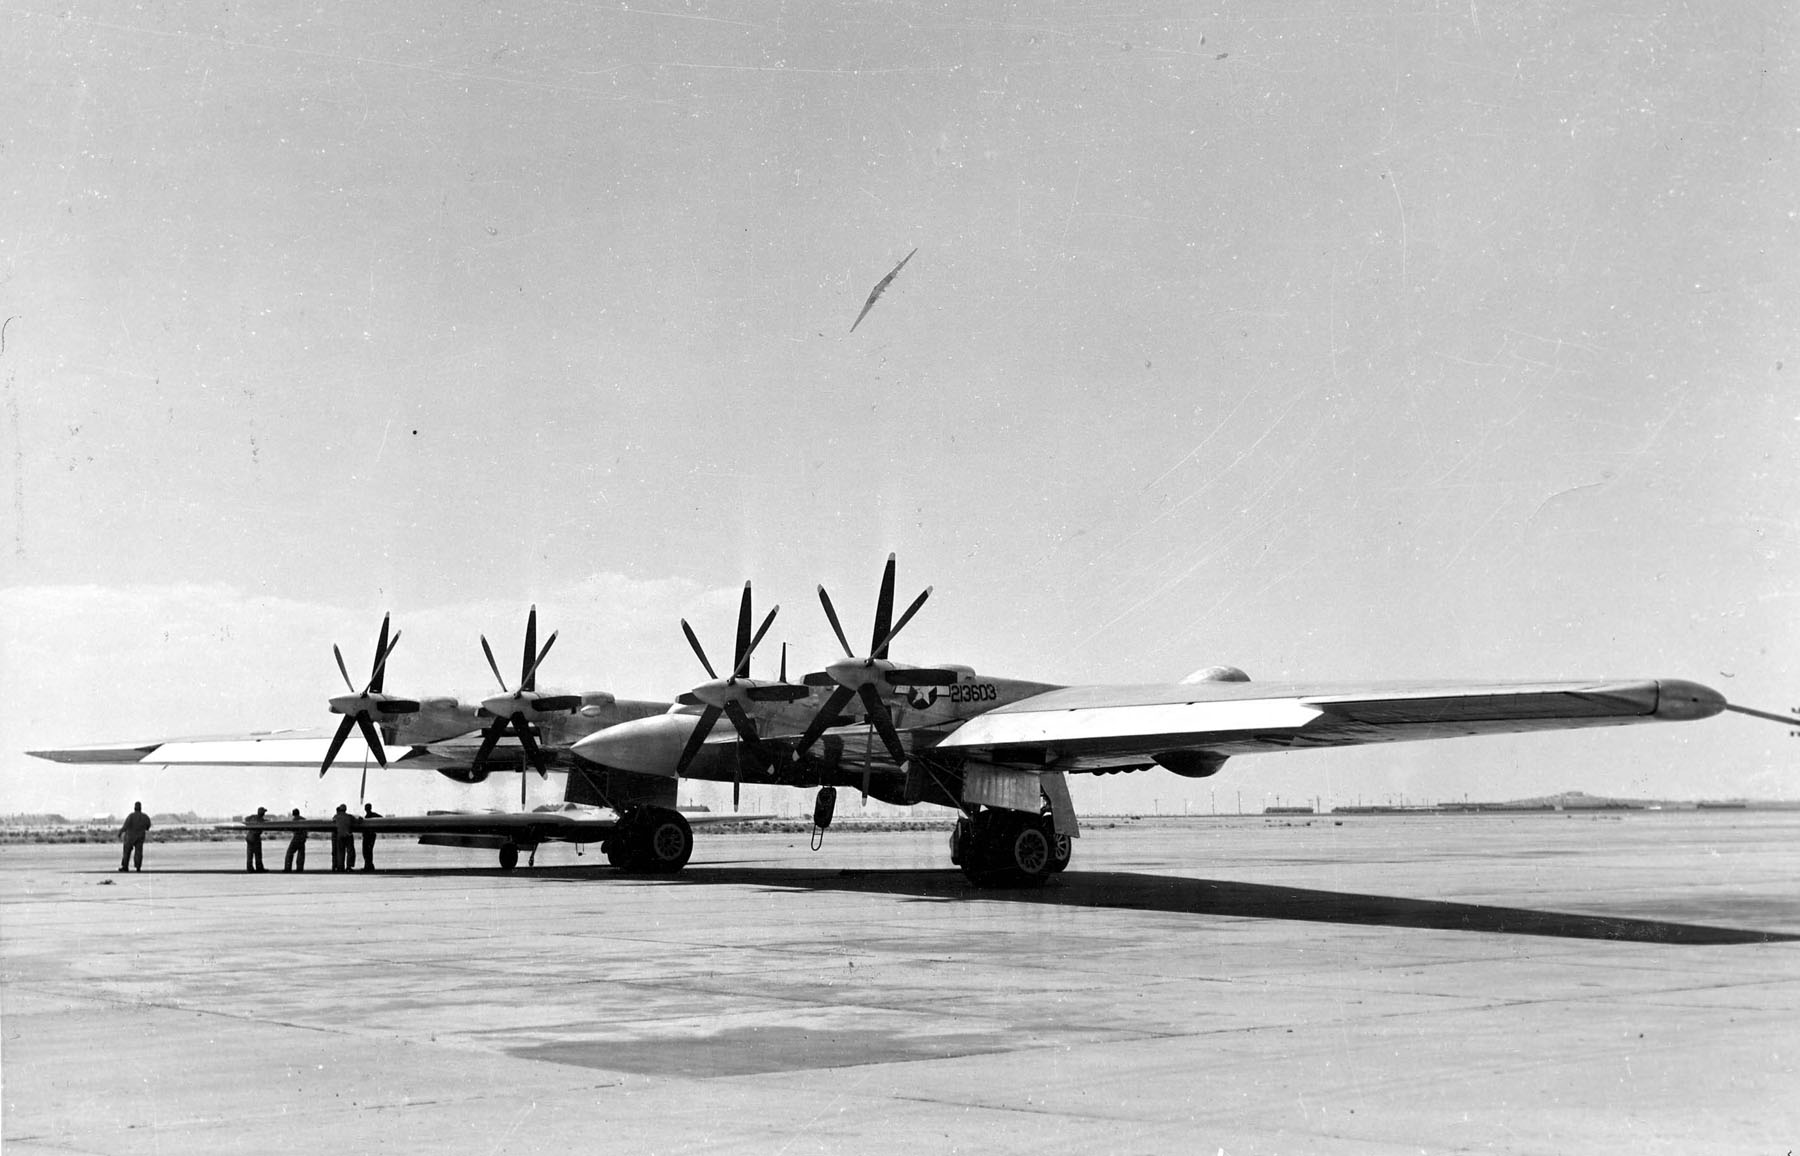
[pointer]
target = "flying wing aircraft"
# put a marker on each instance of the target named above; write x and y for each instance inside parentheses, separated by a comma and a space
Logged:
(997, 750)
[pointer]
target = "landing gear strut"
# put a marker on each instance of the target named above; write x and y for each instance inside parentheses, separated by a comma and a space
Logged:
(998, 848)
(650, 841)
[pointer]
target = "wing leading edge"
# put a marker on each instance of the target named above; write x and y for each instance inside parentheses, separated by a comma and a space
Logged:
(1099, 725)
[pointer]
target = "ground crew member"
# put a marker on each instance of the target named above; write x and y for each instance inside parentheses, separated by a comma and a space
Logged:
(343, 841)
(296, 852)
(253, 840)
(137, 825)
(369, 812)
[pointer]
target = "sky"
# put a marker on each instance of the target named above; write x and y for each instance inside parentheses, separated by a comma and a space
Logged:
(1334, 342)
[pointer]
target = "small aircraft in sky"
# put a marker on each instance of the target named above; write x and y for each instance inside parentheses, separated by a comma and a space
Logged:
(995, 750)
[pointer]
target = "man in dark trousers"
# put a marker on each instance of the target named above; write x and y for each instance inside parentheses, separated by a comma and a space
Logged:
(296, 852)
(369, 812)
(253, 840)
(343, 839)
(137, 825)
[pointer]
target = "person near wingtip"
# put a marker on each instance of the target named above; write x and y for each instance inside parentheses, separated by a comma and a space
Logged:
(253, 839)
(296, 852)
(343, 839)
(369, 812)
(137, 825)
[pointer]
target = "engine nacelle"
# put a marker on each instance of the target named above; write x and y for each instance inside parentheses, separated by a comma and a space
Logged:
(466, 775)
(1190, 764)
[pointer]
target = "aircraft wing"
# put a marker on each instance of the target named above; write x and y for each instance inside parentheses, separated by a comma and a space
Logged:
(1090, 728)
(282, 748)
(285, 748)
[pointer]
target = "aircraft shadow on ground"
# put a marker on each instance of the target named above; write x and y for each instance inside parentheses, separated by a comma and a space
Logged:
(1181, 895)
(1133, 891)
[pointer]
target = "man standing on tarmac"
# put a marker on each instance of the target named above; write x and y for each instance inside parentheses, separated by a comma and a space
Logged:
(137, 825)
(343, 839)
(369, 812)
(296, 852)
(253, 840)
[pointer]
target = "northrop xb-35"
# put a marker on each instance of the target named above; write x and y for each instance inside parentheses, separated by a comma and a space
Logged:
(996, 750)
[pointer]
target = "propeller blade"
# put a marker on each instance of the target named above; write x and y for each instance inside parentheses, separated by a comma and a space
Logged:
(921, 676)
(817, 678)
(881, 651)
(339, 655)
(699, 651)
(370, 737)
(743, 666)
(784, 662)
(488, 738)
(380, 672)
(708, 718)
(526, 665)
(882, 720)
(825, 600)
(492, 665)
(530, 680)
(884, 612)
(337, 742)
(832, 708)
(741, 650)
(381, 653)
(746, 729)
(533, 752)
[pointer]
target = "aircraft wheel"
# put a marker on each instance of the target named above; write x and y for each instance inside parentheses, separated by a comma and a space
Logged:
(619, 853)
(509, 856)
(1062, 847)
(667, 842)
(960, 837)
(1007, 850)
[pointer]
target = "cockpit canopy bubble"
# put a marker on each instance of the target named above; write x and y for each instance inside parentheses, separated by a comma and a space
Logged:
(1216, 674)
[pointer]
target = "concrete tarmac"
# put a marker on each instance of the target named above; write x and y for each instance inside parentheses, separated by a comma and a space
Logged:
(1554, 983)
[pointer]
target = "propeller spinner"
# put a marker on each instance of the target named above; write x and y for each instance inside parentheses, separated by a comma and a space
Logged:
(360, 707)
(870, 678)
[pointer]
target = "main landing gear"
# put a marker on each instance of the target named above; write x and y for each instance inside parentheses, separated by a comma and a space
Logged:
(650, 841)
(998, 848)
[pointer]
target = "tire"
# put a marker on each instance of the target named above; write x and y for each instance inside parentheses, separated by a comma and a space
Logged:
(1062, 848)
(960, 841)
(619, 853)
(667, 842)
(509, 857)
(1007, 850)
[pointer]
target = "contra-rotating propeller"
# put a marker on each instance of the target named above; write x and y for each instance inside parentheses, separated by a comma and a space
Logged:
(728, 696)
(869, 678)
(359, 708)
(514, 710)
